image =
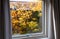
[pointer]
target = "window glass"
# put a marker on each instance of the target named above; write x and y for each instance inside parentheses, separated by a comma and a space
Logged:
(26, 16)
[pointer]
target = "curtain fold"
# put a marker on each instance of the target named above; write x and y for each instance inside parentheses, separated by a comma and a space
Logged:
(5, 28)
(56, 14)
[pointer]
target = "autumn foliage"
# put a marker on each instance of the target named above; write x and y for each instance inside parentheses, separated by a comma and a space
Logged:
(26, 21)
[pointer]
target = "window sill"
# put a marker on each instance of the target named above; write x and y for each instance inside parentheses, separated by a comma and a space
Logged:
(29, 38)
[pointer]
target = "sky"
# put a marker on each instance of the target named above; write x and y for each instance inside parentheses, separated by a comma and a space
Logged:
(26, 0)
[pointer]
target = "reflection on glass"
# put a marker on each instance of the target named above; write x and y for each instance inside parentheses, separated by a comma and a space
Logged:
(26, 17)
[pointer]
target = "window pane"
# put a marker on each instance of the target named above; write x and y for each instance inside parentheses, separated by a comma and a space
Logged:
(26, 16)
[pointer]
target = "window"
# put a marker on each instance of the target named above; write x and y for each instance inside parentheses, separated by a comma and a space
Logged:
(47, 22)
(28, 18)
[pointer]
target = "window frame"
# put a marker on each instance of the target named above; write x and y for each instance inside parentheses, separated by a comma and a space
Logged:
(44, 25)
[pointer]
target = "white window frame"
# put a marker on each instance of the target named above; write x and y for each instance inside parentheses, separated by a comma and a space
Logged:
(46, 22)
